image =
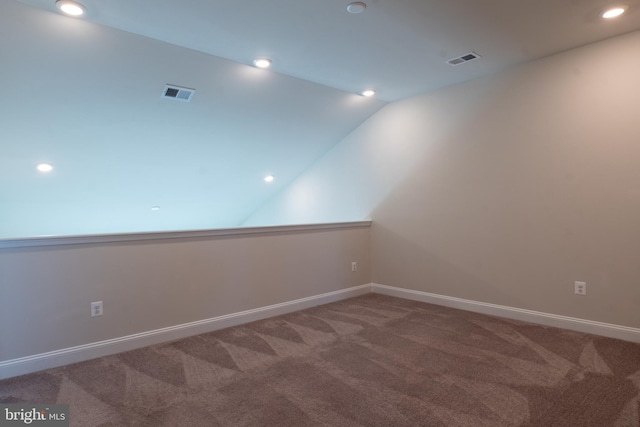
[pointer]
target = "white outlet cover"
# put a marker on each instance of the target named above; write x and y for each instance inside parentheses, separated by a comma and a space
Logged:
(96, 309)
(581, 288)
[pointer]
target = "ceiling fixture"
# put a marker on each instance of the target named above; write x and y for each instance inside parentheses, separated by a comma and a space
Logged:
(178, 93)
(262, 62)
(71, 8)
(614, 12)
(44, 167)
(462, 59)
(368, 92)
(269, 178)
(155, 208)
(356, 7)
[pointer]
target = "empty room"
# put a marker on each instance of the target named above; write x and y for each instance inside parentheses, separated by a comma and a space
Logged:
(320, 213)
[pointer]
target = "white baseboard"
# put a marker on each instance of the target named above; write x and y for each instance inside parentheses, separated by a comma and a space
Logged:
(52, 359)
(587, 326)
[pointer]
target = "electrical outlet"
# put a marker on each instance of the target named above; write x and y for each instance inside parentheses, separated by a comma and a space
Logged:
(580, 288)
(96, 308)
(354, 266)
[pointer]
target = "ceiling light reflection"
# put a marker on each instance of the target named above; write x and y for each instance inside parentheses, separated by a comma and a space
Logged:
(262, 62)
(613, 12)
(71, 8)
(44, 167)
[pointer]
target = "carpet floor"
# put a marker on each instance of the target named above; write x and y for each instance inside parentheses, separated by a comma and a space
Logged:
(367, 361)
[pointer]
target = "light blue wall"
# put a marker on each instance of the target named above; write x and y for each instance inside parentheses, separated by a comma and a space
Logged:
(87, 98)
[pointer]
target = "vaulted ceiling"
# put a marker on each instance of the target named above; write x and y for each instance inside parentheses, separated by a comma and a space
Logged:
(85, 95)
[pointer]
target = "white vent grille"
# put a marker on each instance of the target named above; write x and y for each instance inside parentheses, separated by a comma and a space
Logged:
(178, 93)
(464, 58)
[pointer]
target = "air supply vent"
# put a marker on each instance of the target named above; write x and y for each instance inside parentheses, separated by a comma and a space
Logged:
(464, 58)
(178, 93)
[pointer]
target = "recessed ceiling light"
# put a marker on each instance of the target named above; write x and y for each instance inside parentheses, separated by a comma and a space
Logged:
(262, 62)
(44, 167)
(356, 7)
(155, 208)
(69, 7)
(368, 92)
(614, 12)
(269, 178)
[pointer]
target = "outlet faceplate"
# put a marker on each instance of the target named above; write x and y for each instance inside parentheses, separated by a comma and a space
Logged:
(354, 266)
(580, 288)
(96, 308)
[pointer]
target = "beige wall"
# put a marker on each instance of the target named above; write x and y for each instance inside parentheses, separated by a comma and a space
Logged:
(46, 291)
(504, 189)
(536, 185)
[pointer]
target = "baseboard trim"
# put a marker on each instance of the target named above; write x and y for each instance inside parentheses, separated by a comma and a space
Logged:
(581, 325)
(52, 359)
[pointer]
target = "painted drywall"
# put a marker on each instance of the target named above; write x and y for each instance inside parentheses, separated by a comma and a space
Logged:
(505, 189)
(148, 285)
(87, 98)
(355, 175)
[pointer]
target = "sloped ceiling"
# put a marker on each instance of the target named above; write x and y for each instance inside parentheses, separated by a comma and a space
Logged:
(398, 47)
(87, 98)
(84, 94)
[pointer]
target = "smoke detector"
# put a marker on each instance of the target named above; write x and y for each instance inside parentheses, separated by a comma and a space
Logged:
(356, 7)
(178, 93)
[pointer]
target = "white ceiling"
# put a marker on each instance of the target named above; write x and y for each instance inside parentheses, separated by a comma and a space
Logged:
(398, 47)
(85, 95)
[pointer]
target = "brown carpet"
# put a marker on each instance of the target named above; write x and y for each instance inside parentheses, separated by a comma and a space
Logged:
(368, 361)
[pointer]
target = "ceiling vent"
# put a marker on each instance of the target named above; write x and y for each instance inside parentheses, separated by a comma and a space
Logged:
(178, 93)
(464, 58)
